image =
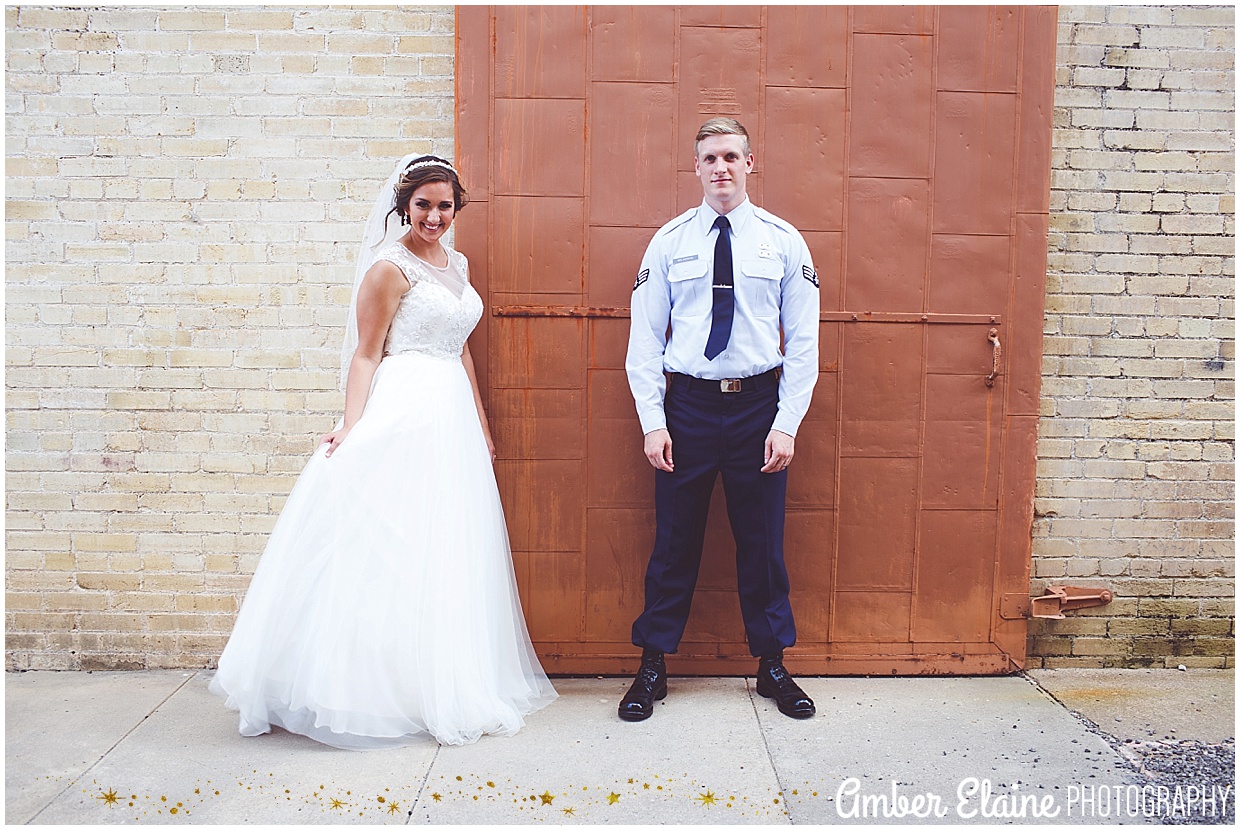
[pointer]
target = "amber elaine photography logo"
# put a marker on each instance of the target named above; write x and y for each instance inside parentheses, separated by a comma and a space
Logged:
(980, 799)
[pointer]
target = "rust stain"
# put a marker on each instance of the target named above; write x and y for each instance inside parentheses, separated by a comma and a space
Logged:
(990, 400)
(1101, 694)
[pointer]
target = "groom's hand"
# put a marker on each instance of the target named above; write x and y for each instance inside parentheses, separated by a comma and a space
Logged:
(659, 449)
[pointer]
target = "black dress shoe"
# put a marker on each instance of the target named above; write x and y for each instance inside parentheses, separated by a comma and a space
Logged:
(775, 682)
(649, 685)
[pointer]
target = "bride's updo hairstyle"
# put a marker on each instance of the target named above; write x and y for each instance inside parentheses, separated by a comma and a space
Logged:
(424, 170)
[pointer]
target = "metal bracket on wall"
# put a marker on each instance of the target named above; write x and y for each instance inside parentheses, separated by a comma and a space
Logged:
(1052, 604)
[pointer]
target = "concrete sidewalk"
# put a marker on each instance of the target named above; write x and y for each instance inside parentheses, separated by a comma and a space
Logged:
(156, 747)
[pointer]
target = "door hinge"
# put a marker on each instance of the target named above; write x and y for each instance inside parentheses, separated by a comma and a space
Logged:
(1052, 604)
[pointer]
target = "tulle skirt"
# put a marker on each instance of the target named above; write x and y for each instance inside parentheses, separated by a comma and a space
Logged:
(385, 606)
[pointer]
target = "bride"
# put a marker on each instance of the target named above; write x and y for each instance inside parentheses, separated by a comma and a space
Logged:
(385, 605)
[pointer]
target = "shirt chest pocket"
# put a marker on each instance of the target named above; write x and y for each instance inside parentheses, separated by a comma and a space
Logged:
(689, 286)
(760, 285)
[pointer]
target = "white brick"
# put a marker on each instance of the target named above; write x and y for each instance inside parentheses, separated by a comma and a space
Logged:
(1180, 37)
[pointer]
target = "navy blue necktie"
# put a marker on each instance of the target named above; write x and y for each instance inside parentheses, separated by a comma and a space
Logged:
(721, 314)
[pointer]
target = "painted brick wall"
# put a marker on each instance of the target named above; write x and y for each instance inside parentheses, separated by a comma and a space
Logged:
(1136, 476)
(183, 191)
(183, 195)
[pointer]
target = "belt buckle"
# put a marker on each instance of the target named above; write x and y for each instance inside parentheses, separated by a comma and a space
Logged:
(730, 385)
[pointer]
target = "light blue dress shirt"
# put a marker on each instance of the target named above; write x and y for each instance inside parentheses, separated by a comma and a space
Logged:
(775, 286)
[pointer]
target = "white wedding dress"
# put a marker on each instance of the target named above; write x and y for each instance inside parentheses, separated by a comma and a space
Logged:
(385, 606)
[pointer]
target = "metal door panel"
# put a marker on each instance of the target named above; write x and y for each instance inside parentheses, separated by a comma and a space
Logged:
(911, 145)
(614, 481)
(617, 543)
(975, 139)
(609, 342)
(474, 99)
(913, 20)
(887, 258)
(807, 46)
(633, 44)
(622, 485)
(961, 450)
(543, 151)
(891, 103)
(538, 423)
(1037, 101)
(538, 44)
(547, 263)
(878, 523)
(967, 62)
(880, 399)
(632, 172)
(552, 595)
(807, 125)
(720, 15)
(538, 353)
(952, 595)
(871, 620)
(545, 507)
(1023, 364)
(969, 274)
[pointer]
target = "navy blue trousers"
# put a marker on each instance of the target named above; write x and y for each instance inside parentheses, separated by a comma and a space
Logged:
(712, 433)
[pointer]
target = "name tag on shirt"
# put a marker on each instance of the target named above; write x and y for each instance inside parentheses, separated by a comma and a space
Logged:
(679, 260)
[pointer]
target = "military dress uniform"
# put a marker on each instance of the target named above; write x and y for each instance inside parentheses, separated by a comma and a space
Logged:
(719, 411)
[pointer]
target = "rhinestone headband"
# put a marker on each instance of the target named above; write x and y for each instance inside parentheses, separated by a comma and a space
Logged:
(430, 163)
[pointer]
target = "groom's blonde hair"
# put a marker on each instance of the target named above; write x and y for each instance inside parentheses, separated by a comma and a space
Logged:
(722, 126)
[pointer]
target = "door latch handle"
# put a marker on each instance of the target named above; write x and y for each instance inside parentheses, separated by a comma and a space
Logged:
(993, 337)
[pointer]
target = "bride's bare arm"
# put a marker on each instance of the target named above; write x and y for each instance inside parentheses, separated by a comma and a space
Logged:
(377, 299)
(468, 360)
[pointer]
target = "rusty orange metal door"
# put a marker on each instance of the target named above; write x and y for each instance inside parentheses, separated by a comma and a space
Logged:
(911, 146)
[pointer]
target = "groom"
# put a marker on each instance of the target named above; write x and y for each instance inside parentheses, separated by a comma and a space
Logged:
(709, 378)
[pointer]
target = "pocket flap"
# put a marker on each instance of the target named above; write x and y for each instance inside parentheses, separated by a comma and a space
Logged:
(686, 270)
(763, 269)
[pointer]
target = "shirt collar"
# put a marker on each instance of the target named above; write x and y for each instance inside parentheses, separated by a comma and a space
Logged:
(738, 218)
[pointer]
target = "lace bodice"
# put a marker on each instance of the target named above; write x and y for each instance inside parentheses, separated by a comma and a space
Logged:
(430, 319)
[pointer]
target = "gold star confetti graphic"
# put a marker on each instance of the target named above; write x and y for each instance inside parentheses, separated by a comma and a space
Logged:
(386, 804)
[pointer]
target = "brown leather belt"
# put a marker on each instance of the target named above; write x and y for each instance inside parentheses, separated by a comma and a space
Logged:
(727, 386)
